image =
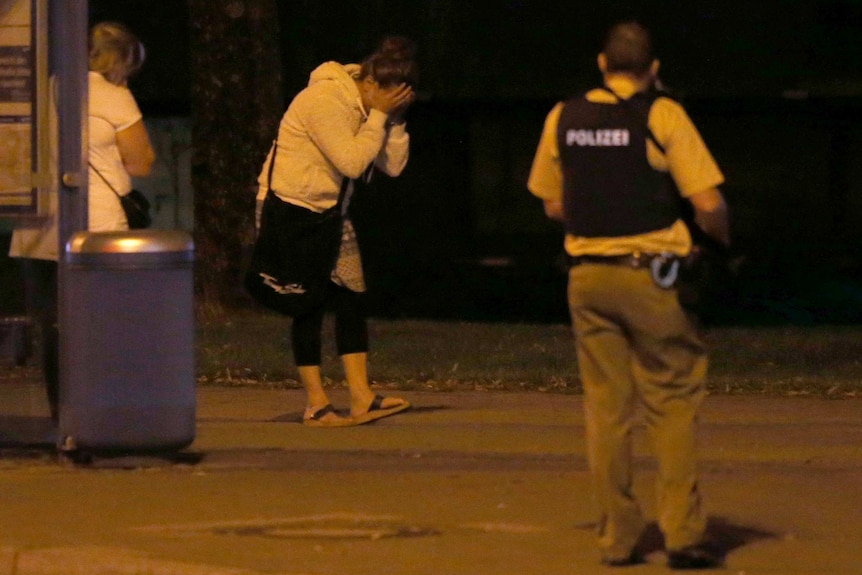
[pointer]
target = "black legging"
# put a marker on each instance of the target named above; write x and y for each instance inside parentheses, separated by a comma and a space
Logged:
(351, 327)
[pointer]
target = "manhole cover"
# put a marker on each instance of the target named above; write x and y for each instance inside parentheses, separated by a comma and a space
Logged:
(335, 526)
(355, 530)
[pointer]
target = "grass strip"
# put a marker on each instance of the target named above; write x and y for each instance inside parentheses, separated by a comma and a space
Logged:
(252, 349)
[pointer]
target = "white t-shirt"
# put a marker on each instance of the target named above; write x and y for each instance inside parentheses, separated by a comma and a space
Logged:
(112, 109)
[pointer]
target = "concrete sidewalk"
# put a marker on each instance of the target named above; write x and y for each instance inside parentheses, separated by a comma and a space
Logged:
(464, 484)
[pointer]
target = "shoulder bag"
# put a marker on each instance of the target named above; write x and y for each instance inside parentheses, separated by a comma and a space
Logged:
(295, 251)
(135, 205)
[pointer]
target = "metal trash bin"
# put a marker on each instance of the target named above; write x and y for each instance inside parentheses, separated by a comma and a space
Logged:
(127, 378)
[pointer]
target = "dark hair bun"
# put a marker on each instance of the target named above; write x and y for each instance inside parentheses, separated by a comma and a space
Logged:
(393, 63)
(397, 48)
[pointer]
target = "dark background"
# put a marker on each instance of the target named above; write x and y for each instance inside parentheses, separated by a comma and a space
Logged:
(521, 49)
(774, 86)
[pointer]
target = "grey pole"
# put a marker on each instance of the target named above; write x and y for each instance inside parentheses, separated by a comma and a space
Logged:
(68, 48)
(68, 22)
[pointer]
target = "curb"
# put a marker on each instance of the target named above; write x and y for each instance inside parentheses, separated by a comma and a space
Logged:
(103, 561)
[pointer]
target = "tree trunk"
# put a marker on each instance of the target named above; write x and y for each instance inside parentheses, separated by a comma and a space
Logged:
(237, 101)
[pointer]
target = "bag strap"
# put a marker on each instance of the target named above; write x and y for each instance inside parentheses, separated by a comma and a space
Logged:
(104, 179)
(345, 181)
(271, 164)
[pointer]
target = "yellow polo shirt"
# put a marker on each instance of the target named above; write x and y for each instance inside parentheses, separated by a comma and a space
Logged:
(686, 157)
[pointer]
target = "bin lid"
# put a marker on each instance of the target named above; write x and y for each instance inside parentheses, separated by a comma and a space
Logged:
(130, 242)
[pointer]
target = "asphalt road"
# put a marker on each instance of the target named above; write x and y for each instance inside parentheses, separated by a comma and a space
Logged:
(464, 484)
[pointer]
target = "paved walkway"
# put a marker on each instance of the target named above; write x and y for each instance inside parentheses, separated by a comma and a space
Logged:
(464, 484)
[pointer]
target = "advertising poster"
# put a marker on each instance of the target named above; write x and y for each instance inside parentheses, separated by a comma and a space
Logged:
(17, 195)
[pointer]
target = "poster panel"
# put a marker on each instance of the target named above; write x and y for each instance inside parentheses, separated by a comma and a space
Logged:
(19, 158)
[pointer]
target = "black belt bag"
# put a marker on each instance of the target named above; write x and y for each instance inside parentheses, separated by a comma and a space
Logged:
(663, 268)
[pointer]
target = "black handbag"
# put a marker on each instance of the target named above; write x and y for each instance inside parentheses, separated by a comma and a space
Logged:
(294, 254)
(137, 208)
(135, 205)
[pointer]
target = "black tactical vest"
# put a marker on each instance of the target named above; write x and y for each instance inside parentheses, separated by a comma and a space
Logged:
(609, 187)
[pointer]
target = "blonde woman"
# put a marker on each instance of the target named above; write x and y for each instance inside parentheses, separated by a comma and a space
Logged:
(120, 147)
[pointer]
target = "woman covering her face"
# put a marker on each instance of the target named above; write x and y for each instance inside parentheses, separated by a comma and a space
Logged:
(349, 118)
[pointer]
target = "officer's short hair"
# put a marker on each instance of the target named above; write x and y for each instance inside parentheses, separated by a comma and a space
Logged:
(628, 48)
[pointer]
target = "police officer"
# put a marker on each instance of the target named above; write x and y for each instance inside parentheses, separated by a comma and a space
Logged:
(615, 165)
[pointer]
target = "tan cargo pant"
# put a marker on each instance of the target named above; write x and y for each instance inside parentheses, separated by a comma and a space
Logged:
(635, 345)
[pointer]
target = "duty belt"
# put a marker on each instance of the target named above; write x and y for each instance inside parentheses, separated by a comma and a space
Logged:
(664, 267)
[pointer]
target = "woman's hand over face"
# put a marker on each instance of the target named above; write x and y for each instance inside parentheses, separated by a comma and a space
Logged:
(391, 99)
